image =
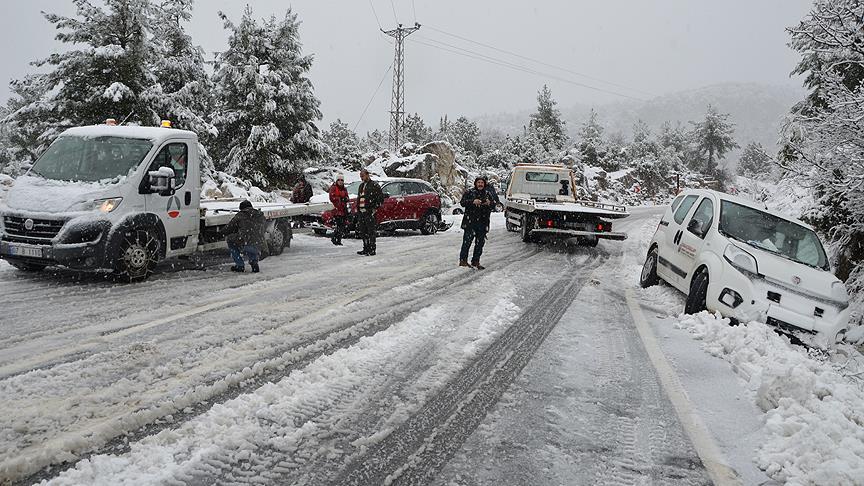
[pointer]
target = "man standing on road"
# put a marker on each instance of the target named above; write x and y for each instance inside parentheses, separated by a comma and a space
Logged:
(302, 191)
(478, 204)
(339, 199)
(369, 198)
(245, 234)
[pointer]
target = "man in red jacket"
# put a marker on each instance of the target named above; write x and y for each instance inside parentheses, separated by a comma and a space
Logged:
(339, 199)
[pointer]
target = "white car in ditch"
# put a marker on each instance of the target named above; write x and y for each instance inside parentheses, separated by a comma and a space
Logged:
(733, 257)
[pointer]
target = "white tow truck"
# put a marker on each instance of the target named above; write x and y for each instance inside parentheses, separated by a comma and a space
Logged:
(541, 201)
(122, 198)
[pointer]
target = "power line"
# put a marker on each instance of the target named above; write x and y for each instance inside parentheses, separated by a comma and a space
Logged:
(375, 14)
(414, 9)
(362, 115)
(504, 63)
(504, 51)
(394, 12)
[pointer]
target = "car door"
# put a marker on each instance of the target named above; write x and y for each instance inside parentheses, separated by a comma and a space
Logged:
(415, 195)
(667, 260)
(178, 212)
(692, 237)
(391, 207)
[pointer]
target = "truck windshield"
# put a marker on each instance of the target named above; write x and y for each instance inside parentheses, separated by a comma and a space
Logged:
(91, 159)
(772, 234)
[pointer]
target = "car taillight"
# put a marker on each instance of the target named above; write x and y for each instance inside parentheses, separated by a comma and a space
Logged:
(603, 227)
(550, 223)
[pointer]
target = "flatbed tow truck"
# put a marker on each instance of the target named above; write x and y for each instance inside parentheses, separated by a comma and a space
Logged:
(122, 198)
(540, 201)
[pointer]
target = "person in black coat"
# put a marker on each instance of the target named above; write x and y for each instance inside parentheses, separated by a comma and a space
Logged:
(245, 234)
(369, 199)
(478, 203)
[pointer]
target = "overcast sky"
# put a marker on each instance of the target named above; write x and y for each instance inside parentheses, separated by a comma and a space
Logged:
(645, 47)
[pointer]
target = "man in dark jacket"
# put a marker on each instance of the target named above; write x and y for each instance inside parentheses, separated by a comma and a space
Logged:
(245, 234)
(478, 204)
(369, 199)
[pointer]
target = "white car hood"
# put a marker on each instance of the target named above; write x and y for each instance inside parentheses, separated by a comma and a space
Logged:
(792, 274)
(37, 195)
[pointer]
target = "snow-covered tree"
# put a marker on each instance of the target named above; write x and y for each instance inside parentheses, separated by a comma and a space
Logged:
(465, 136)
(183, 89)
(712, 138)
(266, 109)
(754, 162)
(102, 73)
(344, 145)
(416, 129)
(546, 122)
(674, 137)
(823, 138)
(375, 141)
(592, 148)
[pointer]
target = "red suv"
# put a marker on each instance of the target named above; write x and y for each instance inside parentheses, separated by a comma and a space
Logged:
(408, 204)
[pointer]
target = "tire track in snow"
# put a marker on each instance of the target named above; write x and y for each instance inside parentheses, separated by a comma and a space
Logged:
(283, 361)
(421, 446)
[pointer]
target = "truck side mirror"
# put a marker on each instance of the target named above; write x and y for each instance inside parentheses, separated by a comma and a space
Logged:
(162, 181)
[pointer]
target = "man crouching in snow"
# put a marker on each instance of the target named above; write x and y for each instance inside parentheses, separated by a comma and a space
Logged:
(478, 203)
(245, 234)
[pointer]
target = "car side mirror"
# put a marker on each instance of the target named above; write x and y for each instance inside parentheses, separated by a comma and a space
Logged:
(386, 195)
(695, 227)
(162, 181)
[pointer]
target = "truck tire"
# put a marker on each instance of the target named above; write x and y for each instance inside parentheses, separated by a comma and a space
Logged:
(136, 259)
(508, 225)
(698, 292)
(527, 226)
(276, 240)
(590, 242)
(429, 224)
(320, 232)
(649, 277)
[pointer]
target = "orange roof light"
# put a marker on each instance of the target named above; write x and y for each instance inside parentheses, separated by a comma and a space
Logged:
(111, 122)
(166, 123)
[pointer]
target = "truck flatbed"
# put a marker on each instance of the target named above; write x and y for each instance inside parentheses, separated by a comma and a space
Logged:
(609, 211)
(218, 212)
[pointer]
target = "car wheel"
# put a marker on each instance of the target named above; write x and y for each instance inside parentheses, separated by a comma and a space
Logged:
(458, 211)
(429, 224)
(137, 257)
(527, 225)
(698, 292)
(28, 267)
(649, 276)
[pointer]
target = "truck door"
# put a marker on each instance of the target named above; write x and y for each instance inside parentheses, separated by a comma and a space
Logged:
(179, 211)
(668, 263)
(693, 237)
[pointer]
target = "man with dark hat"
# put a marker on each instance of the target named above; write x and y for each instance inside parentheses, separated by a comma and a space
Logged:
(245, 234)
(369, 199)
(478, 204)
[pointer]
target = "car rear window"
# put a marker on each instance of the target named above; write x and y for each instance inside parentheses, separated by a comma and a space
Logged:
(684, 208)
(541, 176)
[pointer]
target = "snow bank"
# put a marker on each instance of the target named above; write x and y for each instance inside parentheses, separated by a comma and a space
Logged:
(225, 186)
(814, 414)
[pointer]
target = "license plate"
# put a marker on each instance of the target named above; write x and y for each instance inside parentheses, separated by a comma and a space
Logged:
(25, 251)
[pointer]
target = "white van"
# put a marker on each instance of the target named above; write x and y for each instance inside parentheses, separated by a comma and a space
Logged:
(731, 256)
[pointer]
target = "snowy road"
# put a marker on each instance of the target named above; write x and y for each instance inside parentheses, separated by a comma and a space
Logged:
(331, 368)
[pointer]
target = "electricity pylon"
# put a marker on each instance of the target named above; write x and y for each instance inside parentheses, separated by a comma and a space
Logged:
(397, 104)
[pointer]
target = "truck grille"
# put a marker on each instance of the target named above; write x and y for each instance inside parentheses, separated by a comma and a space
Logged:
(43, 229)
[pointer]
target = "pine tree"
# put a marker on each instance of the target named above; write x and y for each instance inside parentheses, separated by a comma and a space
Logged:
(416, 130)
(465, 136)
(344, 145)
(375, 141)
(754, 162)
(591, 146)
(712, 138)
(267, 109)
(183, 89)
(102, 74)
(547, 122)
(673, 137)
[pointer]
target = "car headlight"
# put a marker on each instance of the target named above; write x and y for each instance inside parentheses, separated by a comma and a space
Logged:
(102, 205)
(839, 293)
(741, 260)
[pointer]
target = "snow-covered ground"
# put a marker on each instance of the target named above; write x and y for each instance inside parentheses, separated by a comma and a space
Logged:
(332, 368)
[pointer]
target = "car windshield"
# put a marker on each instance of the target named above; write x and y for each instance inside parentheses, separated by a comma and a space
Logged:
(772, 234)
(352, 188)
(91, 159)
